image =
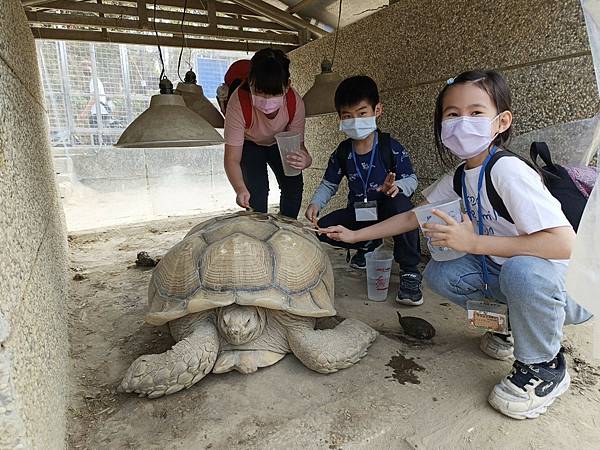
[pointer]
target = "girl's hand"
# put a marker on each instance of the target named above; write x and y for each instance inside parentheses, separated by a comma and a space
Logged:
(312, 212)
(299, 160)
(389, 185)
(340, 233)
(243, 199)
(457, 236)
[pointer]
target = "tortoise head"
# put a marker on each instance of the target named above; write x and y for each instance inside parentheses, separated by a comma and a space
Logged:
(241, 324)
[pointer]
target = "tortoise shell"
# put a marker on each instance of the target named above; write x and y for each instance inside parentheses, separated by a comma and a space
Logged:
(245, 258)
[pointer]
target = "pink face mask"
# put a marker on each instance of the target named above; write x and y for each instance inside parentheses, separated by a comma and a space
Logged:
(267, 105)
(467, 136)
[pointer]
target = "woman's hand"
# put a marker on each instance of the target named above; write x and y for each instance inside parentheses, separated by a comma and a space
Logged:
(312, 212)
(243, 199)
(458, 236)
(299, 160)
(340, 233)
(389, 186)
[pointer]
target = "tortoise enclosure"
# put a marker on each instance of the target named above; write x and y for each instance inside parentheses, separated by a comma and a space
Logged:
(403, 395)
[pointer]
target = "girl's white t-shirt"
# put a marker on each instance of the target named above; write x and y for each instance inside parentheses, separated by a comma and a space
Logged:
(532, 207)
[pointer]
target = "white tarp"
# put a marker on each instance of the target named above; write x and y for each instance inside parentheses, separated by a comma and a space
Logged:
(583, 277)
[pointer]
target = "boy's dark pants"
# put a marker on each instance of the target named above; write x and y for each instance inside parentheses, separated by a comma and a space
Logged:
(407, 248)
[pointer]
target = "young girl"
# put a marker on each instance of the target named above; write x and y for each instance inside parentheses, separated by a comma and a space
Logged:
(519, 263)
(250, 141)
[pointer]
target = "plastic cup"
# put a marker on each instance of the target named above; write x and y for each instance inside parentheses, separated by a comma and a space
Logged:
(425, 215)
(288, 142)
(379, 269)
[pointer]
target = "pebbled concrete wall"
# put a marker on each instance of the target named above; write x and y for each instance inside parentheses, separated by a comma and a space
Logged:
(412, 47)
(33, 255)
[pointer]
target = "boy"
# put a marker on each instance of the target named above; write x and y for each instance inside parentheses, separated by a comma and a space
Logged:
(380, 183)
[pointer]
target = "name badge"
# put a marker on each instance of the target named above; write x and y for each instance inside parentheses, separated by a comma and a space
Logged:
(365, 211)
(490, 316)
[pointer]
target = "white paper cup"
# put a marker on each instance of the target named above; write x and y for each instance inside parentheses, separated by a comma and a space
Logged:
(425, 215)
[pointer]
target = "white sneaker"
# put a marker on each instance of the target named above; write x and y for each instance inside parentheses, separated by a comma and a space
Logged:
(530, 389)
(497, 346)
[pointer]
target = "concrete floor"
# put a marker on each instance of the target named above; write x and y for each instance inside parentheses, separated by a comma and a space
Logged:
(402, 395)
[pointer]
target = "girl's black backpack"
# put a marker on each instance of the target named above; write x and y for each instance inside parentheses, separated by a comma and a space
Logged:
(570, 185)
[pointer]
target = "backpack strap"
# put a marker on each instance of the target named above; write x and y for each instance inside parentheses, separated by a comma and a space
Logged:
(384, 141)
(457, 180)
(540, 149)
(290, 99)
(341, 153)
(550, 170)
(246, 104)
(495, 200)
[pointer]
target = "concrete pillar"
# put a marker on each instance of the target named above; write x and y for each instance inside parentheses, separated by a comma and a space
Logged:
(33, 253)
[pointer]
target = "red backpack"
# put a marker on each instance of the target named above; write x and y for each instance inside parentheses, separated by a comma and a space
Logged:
(236, 80)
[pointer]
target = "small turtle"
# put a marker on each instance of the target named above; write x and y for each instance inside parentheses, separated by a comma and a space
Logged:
(416, 327)
(239, 292)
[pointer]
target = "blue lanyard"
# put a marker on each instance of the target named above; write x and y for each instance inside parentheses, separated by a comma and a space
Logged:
(486, 276)
(365, 183)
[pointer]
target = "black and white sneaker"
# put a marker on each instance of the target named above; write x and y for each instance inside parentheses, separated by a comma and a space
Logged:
(530, 389)
(409, 290)
(358, 261)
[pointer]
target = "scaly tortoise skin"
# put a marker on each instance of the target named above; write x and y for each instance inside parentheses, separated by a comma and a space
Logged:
(239, 292)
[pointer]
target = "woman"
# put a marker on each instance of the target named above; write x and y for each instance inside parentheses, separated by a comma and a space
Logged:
(259, 109)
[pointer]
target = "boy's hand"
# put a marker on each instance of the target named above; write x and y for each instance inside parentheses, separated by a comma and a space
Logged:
(312, 212)
(299, 160)
(457, 236)
(340, 233)
(389, 185)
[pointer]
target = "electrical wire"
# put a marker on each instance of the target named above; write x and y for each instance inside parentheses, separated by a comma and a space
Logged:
(162, 62)
(337, 31)
(183, 41)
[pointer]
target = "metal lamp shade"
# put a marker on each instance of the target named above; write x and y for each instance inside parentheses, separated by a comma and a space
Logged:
(168, 123)
(194, 98)
(319, 98)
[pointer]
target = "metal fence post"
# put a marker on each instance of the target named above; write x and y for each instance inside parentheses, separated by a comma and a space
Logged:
(66, 85)
(126, 81)
(99, 120)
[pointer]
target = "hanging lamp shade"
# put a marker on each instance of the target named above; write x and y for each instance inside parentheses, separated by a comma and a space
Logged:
(194, 98)
(320, 97)
(168, 122)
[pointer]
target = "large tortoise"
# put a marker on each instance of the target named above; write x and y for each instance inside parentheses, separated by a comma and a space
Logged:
(239, 292)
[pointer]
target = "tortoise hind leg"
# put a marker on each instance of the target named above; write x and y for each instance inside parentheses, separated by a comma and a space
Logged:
(327, 351)
(186, 363)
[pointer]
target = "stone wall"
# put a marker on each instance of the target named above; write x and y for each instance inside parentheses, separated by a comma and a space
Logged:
(33, 335)
(412, 47)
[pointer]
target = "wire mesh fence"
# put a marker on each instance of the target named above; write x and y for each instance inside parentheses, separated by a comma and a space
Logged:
(94, 90)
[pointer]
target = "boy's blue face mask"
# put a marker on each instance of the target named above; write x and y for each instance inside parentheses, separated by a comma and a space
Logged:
(358, 128)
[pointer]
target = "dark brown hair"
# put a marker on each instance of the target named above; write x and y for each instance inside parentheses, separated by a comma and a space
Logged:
(269, 71)
(490, 82)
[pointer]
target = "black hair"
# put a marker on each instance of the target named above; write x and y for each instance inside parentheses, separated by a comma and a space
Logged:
(354, 90)
(269, 71)
(494, 84)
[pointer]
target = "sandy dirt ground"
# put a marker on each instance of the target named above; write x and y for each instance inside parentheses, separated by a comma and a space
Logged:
(403, 395)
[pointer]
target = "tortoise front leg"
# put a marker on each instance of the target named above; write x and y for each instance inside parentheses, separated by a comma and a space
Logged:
(327, 351)
(186, 363)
